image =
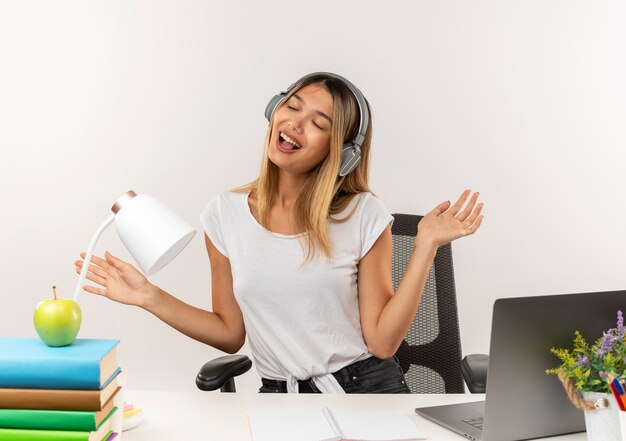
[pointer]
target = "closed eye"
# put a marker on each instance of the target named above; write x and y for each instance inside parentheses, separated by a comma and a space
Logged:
(318, 126)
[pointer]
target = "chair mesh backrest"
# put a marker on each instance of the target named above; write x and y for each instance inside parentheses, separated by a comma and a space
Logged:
(430, 354)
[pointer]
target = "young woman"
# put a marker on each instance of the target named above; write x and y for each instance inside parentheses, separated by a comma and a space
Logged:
(301, 257)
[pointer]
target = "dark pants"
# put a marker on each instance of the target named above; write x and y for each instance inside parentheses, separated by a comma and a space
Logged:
(369, 376)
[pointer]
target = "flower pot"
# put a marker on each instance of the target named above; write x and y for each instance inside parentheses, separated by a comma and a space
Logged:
(603, 424)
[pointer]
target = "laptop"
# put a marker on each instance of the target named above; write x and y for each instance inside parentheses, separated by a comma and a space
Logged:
(522, 401)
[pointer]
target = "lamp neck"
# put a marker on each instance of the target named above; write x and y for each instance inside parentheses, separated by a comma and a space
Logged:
(89, 253)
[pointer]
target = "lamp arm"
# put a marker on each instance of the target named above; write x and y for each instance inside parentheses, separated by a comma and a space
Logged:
(92, 244)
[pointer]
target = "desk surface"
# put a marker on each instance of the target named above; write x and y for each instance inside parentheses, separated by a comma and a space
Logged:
(200, 415)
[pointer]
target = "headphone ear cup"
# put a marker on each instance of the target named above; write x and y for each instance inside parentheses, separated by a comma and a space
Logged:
(272, 105)
(350, 157)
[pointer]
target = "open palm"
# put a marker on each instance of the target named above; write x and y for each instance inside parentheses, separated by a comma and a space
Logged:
(118, 280)
(449, 222)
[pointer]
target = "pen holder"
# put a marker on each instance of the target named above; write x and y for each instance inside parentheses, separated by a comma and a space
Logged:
(606, 423)
(603, 419)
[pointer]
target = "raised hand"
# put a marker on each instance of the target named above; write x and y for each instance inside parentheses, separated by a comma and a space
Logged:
(449, 222)
(118, 280)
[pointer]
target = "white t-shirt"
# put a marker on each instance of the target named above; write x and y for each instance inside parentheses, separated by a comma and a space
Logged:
(302, 319)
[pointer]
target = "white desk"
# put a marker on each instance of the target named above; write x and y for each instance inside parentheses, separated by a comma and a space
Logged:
(192, 416)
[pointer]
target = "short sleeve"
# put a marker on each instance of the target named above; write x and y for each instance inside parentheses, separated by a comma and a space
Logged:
(374, 219)
(211, 221)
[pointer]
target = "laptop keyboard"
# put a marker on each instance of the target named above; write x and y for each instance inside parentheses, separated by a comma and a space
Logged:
(476, 422)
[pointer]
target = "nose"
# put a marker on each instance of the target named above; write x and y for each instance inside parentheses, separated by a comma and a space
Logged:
(295, 124)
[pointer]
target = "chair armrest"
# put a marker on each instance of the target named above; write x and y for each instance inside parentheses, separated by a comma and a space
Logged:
(216, 373)
(474, 369)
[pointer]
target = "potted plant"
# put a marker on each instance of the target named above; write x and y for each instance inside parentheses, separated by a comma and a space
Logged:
(585, 371)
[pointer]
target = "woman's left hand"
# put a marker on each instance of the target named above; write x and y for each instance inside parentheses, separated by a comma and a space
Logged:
(449, 222)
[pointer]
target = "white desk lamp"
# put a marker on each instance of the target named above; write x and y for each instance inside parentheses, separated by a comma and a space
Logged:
(151, 232)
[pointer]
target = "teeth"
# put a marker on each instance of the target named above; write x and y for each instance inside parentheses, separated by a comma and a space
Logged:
(289, 140)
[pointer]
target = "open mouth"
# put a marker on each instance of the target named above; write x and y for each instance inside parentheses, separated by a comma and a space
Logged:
(287, 143)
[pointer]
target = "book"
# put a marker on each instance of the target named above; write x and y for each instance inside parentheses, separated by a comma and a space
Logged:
(60, 399)
(101, 433)
(86, 421)
(28, 363)
(333, 425)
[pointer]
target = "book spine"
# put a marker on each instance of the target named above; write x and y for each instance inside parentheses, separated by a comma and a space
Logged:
(332, 422)
(42, 435)
(47, 419)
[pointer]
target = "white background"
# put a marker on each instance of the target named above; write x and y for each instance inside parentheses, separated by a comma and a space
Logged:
(524, 101)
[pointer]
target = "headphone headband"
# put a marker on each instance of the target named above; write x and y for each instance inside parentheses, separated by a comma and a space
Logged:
(351, 152)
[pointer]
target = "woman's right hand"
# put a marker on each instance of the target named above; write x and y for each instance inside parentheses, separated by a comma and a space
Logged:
(118, 280)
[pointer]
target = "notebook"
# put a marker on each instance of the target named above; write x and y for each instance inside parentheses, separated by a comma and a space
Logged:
(522, 401)
(333, 425)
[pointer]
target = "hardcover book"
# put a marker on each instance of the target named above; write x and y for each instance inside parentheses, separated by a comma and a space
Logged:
(55, 419)
(86, 364)
(102, 433)
(61, 399)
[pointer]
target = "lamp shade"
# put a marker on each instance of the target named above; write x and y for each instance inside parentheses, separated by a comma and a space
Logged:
(151, 232)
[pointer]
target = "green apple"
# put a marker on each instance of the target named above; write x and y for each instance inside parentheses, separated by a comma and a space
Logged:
(57, 321)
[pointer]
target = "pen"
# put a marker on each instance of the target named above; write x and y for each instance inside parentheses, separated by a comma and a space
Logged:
(618, 397)
(621, 391)
(618, 386)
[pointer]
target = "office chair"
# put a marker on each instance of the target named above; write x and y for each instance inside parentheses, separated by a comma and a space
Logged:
(430, 355)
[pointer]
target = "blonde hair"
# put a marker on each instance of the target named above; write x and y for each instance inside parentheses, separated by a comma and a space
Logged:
(325, 193)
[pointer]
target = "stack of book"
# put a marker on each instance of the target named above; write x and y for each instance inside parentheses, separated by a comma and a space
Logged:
(66, 393)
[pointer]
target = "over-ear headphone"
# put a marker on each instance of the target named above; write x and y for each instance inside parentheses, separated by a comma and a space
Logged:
(351, 151)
